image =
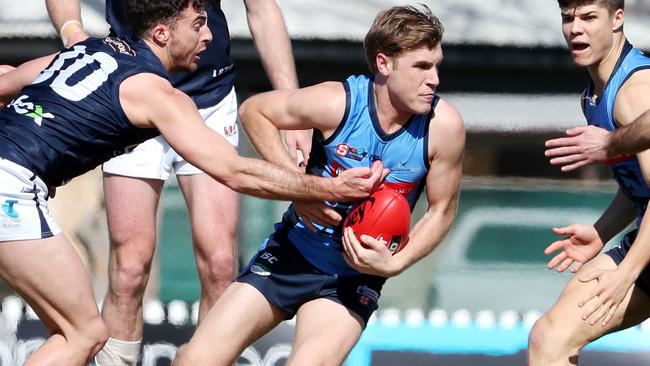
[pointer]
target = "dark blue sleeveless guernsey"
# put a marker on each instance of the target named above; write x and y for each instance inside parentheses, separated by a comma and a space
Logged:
(357, 142)
(215, 76)
(69, 120)
(626, 170)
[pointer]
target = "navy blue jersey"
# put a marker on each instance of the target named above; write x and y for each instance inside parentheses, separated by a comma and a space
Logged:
(357, 142)
(69, 120)
(600, 112)
(215, 76)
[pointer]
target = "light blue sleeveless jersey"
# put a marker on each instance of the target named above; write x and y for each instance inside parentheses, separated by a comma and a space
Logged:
(358, 142)
(626, 170)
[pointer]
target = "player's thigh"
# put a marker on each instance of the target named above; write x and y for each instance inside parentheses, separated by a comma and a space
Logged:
(326, 331)
(49, 274)
(241, 316)
(131, 205)
(566, 316)
(213, 206)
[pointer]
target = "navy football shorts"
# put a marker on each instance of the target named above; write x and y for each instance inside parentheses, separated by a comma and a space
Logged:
(620, 251)
(287, 281)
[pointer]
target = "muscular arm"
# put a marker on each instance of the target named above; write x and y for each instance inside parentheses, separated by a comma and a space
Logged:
(446, 148)
(66, 13)
(633, 100)
(175, 116)
(269, 32)
(272, 42)
(321, 106)
(632, 138)
(13, 81)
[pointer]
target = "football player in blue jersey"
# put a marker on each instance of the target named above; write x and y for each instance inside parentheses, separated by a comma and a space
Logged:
(133, 182)
(305, 268)
(610, 291)
(94, 101)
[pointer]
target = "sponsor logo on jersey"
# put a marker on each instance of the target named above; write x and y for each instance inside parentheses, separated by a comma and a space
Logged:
(404, 188)
(351, 152)
(29, 109)
(221, 71)
(119, 45)
(367, 296)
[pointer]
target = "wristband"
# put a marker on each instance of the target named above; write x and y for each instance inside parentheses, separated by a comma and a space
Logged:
(68, 28)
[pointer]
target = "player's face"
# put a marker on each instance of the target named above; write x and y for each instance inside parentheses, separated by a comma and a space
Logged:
(189, 38)
(588, 31)
(413, 78)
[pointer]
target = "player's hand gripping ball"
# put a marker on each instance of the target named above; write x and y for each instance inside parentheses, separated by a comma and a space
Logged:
(385, 215)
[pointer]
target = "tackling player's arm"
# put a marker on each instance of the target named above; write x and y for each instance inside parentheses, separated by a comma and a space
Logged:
(446, 146)
(150, 101)
(13, 81)
(66, 19)
(633, 100)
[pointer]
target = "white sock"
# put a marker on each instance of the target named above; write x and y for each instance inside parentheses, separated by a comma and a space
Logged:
(118, 353)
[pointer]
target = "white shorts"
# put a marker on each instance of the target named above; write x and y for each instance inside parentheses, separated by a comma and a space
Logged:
(155, 159)
(23, 198)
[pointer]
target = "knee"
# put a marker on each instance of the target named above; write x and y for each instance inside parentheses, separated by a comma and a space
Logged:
(551, 340)
(539, 335)
(218, 266)
(90, 338)
(129, 275)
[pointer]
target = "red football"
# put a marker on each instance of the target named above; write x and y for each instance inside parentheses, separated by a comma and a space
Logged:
(385, 215)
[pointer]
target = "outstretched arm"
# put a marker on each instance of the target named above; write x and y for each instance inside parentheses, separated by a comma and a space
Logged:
(66, 19)
(446, 147)
(175, 116)
(590, 144)
(271, 39)
(14, 80)
(583, 242)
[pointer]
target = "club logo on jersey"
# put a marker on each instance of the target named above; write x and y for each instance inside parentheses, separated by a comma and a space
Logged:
(29, 109)
(119, 45)
(350, 152)
(8, 208)
(367, 296)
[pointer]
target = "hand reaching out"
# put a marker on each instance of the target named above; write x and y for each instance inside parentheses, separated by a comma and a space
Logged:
(581, 245)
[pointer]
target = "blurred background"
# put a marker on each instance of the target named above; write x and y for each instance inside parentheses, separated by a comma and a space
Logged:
(471, 302)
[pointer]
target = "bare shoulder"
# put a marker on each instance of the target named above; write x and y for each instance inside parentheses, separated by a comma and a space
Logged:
(447, 119)
(633, 99)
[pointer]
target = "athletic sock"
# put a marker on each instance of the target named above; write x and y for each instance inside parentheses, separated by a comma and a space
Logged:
(118, 353)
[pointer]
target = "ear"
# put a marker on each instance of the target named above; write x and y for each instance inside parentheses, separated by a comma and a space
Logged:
(384, 63)
(160, 34)
(618, 20)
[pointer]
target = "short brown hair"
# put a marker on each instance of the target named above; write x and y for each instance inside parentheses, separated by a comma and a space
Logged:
(610, 5)
(399, 29)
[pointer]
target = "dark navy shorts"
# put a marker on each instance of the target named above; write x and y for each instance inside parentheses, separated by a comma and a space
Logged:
(620, 251)
(288, 280)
